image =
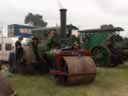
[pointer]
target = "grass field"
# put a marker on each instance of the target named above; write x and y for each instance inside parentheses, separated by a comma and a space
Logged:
(109, 82)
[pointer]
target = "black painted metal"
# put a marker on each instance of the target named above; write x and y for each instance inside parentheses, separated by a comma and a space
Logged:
(63, 23)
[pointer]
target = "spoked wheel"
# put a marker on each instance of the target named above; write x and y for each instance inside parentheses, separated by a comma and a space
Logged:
(101, 56)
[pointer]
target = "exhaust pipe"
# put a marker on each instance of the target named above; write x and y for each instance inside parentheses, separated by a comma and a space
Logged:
(63, 23)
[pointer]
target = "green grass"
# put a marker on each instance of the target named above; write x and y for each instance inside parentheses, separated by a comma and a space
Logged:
(109, 82)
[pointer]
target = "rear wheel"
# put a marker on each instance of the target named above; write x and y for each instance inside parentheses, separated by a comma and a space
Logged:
(101, 56)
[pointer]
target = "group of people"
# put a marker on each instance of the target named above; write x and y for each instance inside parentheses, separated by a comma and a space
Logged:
(18, 61)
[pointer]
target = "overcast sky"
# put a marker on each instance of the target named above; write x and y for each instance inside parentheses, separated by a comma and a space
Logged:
(82, 13)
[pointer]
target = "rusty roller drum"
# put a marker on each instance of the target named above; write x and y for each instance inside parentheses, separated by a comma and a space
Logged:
(28, 55)
(79, 69)
(32, 65)
(25, 66)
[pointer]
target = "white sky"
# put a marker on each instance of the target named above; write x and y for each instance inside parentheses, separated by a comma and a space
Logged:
(82, 13)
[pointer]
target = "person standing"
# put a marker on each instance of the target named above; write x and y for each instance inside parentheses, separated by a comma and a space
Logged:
(19, 49)
(19, 54)
(12, 61)
(35, 43)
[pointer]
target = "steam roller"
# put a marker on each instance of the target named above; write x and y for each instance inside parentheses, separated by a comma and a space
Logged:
(72, 64)
(74, 67)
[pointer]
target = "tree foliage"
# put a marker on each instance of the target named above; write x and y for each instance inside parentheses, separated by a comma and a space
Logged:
(35, 20)
(117, 38)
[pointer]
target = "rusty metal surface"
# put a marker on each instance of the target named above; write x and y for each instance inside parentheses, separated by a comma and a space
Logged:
(80, 67)
(28, 55)
(5, 87)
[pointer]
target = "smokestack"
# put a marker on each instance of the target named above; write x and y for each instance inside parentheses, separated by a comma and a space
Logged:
(63, 23)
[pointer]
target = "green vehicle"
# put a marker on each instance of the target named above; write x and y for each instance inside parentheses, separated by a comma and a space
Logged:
(101, 45)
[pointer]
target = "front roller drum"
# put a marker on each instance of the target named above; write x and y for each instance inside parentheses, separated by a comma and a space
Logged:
(77, 69)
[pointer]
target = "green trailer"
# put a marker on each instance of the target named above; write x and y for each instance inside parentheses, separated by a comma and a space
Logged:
(99, 42)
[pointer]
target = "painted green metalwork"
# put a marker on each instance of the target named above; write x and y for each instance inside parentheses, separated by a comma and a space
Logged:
(93, 40)
(96, 41)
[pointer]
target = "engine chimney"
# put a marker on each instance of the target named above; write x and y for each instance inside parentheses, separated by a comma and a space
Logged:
(63, 23)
